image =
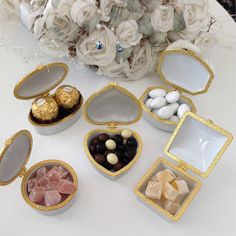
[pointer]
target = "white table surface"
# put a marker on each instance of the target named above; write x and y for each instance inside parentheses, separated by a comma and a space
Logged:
(104, 207)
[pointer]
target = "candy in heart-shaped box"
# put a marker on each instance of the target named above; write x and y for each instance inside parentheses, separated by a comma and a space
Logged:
(112, 151)
(49, 186)
(50, 113)
(185, 71)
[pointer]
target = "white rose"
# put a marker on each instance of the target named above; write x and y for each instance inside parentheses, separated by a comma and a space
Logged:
(90, 54)
(162, 18)
(127, 33)
(106, 6)
(63, 6)
(144, 61)
(195, 13)
(83, 11)
(205, 41)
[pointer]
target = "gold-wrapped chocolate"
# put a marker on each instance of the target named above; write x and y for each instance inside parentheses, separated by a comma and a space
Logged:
(67, 96)
(45, 108)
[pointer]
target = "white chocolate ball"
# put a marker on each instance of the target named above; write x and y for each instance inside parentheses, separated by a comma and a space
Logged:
(112, 158)
(126, 133)
(110, 144)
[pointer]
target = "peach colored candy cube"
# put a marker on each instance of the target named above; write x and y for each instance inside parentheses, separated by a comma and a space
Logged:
(51, 185)
(171, 207)
(170, 192)
(66, 187)
(43, 181)
(53, 175)
(164, 176)
(37, 194)
(41, 172)
(31, 184)
(181, 185)
(62, 171)
(52, 198)
(154, 190)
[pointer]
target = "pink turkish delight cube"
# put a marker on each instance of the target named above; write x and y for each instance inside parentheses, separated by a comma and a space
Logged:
(37, 194)
(51, 185)
(61, 170)
(53, 175)
(43, 181)
(31, 184)
(41, 172)
(52, 198)
(66, 187)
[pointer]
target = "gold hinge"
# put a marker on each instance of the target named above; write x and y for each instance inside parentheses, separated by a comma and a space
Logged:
(183, 166)
(112, 126)
(113, 84)
(23, 171)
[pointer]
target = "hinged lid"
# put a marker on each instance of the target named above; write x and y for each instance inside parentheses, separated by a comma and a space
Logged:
(41, 81)
(185, 71)
(197, 144)
(14, 156)
(112, 106)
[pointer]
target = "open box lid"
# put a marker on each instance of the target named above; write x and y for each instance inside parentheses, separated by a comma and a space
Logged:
(185, 70)
(197, 144)
(14, 155)
(112, 105)
(41, 81)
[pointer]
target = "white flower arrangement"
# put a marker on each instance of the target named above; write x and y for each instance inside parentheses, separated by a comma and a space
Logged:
(123, 38)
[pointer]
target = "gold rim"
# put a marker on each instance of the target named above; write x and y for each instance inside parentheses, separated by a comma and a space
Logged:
(154, 205)
(37, 70)
(103, 90)
(156, 117)
(59, 121)
(210, 125)
(4, 149)
(191, 54)
(101, 168)
(40, 164)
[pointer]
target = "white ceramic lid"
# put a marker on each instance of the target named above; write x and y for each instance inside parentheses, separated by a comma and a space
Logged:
(41, 81)
(112, 105)
(185, 70)
(14, 156)
(198, 144)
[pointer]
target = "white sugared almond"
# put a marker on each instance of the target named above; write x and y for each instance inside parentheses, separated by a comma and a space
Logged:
(182, 109)
(158, 103)
(165, 112)
(172, 97)
(157, 93)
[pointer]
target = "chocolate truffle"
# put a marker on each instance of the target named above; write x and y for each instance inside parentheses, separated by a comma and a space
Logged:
(112, 158)
(103, 137)
(95, 141)
(118, 139)
(110, 144)
(126, 133)
(99, 158)
(132, 142)
(67, 96)
(118, 166)
(45, 109)
(100, 148)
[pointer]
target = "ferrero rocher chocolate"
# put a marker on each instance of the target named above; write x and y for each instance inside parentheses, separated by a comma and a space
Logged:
(45, 109)
(67, 96)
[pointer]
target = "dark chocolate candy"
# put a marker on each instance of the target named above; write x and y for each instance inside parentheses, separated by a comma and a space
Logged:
(132, 142)
(99, 158)
(118, 166)
(100, 148)
(118, 139)
(103, 137)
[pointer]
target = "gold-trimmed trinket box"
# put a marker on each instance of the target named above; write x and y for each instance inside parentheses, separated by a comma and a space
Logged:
(196, 145)
(112, 106)
(186, 72)
(14, 156)
(49, 113)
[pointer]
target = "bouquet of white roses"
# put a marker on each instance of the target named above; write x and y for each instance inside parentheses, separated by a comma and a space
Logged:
(122, 38)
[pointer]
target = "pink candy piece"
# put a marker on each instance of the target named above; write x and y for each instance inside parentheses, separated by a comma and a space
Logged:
(41, 172)
(51, 185)
(52, 198)
(31, 184)
(65, 186)
(37, 194)
(53, 175)
(43, 181)
(62, 171)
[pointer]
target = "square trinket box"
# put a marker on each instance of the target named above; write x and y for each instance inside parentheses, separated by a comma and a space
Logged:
(49, 186)
(196, 144)
(50, 113)
(112, 151)
(185, 71)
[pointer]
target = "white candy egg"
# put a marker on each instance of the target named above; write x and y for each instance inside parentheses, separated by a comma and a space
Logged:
(174, 106)
(174, 119)
(172, 97)
(112, 158)
(148, 102)
(157, 93)
(158, 103)
(165, 112)
(155, 111)
(182, 109)
(110, 144)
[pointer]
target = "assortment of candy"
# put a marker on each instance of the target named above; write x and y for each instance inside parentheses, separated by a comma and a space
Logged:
(114, 151)
(49, 186)
(167, 190)
(51, 108)
(167, 106)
